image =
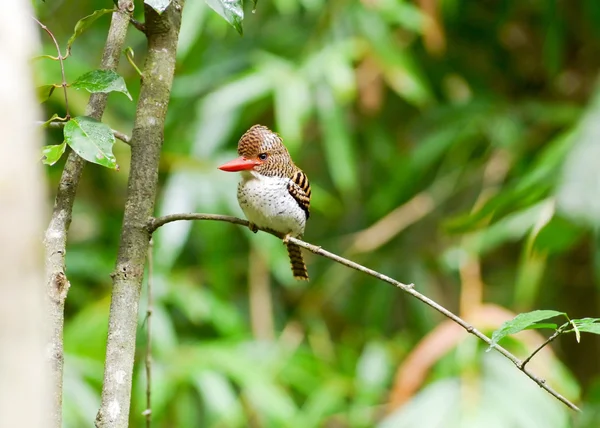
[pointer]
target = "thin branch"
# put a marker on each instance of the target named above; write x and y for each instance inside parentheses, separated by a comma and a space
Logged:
(155, 223)
(55, 242)
(140, 26)
(118, 134)
(539, 348)
(148, 412)
(60, 58)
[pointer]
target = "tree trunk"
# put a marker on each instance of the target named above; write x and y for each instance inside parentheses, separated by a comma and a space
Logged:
(146, 143)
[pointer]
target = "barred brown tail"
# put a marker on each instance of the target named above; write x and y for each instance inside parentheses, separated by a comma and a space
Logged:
(298, 266)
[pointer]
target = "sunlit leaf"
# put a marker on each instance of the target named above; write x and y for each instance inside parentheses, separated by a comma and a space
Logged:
(158, 5)
(84, 23)
(52, 119)
(401, 70)
(337, 142)
(101, 81)
(558, 235)
(219, 397)
(587, 325)
(542, 325)
(522, 322)
(534, 185)
(231, 10)
(51, 154)
(92, 140)
(44, 92)
(578, 195)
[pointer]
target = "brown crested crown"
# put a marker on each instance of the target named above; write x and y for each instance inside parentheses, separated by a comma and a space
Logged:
(260, 139)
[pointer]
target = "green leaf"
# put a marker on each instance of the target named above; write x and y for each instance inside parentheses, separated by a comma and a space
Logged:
(54, 117)
(44, 92)
(231, 10)
(587, 325)
(522, 322)
(101, 81)
(541, 325)
(339, 150)
(578, 193)
(558, 236)
(158, 5)
(51, 154)
(84, 23)
(92, 140)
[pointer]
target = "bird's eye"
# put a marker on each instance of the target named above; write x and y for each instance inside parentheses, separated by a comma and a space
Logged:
(263, 156)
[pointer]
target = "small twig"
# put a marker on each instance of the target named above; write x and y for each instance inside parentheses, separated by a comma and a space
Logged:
(118, 134)
(155, 223)
(148, 412)
(60, 58)
(539, 348)
(140, 26)
(130, 54)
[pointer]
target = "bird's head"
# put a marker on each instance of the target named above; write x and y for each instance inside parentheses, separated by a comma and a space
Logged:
(260, 150)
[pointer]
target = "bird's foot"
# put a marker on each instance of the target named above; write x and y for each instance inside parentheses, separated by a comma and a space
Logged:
(252, 227)
(286, 238)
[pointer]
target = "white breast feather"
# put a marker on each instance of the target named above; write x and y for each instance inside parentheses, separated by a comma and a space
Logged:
(267, 203)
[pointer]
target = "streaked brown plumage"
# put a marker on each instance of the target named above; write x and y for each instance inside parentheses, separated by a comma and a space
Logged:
(274, 193)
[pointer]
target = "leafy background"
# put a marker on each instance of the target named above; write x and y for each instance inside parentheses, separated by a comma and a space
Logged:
(452, 144)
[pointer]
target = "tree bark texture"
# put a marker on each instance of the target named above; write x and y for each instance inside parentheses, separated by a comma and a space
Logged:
(57, 284)
(162, 32)
(24, 398)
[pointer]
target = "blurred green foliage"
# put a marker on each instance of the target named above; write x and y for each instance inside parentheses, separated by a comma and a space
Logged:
(451, 143)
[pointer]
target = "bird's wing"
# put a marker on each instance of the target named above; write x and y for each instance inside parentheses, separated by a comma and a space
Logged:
(299, 188)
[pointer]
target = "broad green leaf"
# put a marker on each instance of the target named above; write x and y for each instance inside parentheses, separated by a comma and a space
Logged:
(84, 23)
(231, 10)
(51, 154)
(522, 322)
(44, 92)
(92, 140)
(101, 81)
(158, 5)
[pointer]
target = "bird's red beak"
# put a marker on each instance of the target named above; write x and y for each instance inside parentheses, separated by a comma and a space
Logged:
(239, 164)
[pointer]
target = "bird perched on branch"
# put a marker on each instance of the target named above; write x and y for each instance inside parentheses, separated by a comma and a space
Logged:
(274, 193)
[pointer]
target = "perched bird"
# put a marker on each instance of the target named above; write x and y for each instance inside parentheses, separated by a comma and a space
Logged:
(274, 193)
